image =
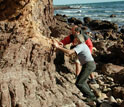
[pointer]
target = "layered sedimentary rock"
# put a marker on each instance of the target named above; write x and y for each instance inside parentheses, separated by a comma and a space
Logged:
(27, 69)
(32, 74)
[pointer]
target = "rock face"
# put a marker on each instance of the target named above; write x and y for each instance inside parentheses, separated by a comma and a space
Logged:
(19, 22)
(111, 70)
(29, 76)
(32, 74)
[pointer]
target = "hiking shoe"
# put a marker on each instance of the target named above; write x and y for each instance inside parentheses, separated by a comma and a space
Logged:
(91, 103)
(91, 98)
(93, 81)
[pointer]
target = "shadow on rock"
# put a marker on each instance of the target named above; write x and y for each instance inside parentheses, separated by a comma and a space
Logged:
(60, 67)
(59, 63)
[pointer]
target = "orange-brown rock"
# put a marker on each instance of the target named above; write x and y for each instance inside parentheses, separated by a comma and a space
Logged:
(28, 75)
(111, 69)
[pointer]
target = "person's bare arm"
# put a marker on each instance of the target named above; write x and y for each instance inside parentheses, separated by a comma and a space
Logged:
(67, 50)
(56, 44)
(78, 68)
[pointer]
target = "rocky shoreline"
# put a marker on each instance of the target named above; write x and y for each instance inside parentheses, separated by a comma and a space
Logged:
(34, 74)
(61, 7)
(57, 7)
(108, 42)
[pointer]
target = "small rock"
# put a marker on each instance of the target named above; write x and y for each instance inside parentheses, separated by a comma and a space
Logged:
(94, 85)
(110, 79)
(105, 105)
(119, 101)
(100, 82)
(112, 100)
(113, 15)
(91, 104)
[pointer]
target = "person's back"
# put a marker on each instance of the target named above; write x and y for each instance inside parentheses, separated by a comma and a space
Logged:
(88, 66)
(84, 53)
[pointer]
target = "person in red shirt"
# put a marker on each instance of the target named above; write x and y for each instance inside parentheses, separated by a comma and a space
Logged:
(70, 39)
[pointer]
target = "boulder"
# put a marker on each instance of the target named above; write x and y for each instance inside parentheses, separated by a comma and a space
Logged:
(111, 69)
(62, 18)
(105, 105)
(118, 92)
(100, 25)
(122, 104)
(74, 21)
(109, 35)
(122, 30)
(94, 24)
(119, 77)
(87, 20)
(112, 15)
(118, 51)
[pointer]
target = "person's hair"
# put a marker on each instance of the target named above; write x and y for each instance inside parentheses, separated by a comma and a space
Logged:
(78, 29)
(80, 38)
(73, 29)
(85, 29)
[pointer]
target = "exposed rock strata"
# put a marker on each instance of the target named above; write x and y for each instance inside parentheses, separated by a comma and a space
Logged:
(31, 73)
(29, 76)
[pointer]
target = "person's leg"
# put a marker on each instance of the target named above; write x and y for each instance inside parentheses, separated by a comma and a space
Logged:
(92, 79)
(81, 82)
(78, 68)
(91, 76)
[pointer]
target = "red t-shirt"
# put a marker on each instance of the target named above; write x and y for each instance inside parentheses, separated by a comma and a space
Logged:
(88, 41)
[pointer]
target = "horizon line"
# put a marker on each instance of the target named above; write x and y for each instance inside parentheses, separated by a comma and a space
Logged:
(88, 3)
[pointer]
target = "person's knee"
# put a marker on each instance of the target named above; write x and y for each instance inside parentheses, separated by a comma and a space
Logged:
(78, 85)
(94, 67)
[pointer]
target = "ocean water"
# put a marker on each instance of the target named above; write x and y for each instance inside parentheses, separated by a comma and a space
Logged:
(96, 11)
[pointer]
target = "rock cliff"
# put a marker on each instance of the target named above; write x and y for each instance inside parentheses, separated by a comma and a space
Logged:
(29, 73)
(32, 74)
